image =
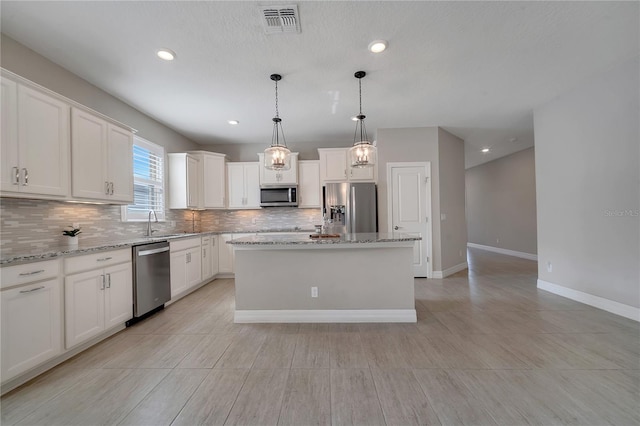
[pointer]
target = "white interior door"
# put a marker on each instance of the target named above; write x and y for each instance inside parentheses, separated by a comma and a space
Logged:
(410, 209)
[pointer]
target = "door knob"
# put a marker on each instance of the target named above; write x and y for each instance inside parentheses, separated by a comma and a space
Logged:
(396, 227)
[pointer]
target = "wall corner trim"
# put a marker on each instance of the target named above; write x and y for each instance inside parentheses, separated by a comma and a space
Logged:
(450, 271)
(508, 252)
(614, 307)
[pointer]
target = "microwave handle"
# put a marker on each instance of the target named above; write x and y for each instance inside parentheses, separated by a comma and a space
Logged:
(290, 191)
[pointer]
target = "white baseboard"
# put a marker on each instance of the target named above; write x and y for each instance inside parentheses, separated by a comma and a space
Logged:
(589, 299)
(450, 271)
(317, 315)
(508, 252)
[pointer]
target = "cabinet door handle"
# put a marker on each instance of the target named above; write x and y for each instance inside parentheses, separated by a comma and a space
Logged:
(106, 188)
(204, 253)
(102, 285)
(111, 190)
(16, 175)
(345, 172)
(25, 274)
(104, 259)
(188, 257)
(32, 290)
(108, 280)
(26, 176)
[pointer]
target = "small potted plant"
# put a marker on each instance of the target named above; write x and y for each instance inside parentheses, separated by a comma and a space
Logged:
(72, 233)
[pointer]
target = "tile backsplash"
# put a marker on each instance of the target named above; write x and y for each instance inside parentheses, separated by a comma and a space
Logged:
(30, 224)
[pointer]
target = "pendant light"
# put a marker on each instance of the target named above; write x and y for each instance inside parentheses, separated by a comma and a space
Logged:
(362, 153)
(277, 156)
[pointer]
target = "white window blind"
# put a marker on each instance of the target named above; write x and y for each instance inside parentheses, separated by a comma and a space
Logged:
(148, 182)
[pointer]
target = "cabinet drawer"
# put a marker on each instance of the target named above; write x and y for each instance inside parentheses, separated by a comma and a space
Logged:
(29, 272)
(96, 260)
(184, 244)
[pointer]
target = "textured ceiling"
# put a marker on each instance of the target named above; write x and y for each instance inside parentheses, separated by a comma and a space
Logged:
(477, 69)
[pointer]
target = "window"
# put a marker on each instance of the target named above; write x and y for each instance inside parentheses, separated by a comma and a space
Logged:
(148, 182)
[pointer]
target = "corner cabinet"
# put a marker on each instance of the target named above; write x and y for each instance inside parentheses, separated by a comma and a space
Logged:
(243, 182)
(35, 143)
(275, 177)
(212, 179)
(184, 181)
(334, 167)
(98, 294)
(101, 159)
(31, 316)
(309, 193)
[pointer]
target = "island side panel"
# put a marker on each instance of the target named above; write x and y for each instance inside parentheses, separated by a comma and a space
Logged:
(354, 278)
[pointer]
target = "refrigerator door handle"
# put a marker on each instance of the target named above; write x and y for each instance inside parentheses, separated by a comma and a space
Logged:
(353, 212)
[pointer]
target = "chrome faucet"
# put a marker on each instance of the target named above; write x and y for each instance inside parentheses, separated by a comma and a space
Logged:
(149, 230)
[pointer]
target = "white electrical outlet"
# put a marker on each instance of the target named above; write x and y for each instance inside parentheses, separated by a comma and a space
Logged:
(549, 267)
(314, 291)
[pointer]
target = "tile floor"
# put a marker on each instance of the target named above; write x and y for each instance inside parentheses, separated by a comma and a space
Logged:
(488, 348)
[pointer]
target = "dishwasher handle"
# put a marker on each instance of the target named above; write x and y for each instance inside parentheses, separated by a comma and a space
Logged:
(153, 251)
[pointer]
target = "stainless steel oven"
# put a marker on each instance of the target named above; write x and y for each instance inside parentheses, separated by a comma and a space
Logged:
(277, 196)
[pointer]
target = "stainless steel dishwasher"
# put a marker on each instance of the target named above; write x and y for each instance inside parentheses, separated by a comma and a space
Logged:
(151, 279)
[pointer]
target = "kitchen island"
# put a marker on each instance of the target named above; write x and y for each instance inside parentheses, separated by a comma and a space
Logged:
(353, 278)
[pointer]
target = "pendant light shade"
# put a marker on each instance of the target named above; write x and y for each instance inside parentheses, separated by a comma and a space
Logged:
(363, 153)
(277, 156)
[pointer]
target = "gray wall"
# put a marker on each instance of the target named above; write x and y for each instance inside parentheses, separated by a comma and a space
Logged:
(248, 152)
(453, 229)
(501, 203)
(588, 180)
(23, 61)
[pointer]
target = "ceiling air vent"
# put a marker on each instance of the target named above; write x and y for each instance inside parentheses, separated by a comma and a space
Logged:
(280, 19)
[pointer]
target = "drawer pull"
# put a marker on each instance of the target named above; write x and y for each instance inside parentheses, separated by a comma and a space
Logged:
(26, 274)
(104, 259)
(33, 289)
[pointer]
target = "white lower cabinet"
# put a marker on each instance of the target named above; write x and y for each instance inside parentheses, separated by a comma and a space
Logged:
(186, 264)
(97, 299)
(31, 325)
(225, 252)
(209, 256)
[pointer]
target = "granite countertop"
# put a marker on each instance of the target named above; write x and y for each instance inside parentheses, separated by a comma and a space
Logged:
(13, 257)
(342, 239)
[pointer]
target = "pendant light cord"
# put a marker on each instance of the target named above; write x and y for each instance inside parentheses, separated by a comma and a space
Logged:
(360, 122)
(277, 114)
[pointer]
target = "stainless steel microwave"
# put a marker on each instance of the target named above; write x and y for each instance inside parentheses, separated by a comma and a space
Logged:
(279, 196)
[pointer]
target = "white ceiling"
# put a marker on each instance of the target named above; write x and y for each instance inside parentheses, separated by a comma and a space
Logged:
(477, 69)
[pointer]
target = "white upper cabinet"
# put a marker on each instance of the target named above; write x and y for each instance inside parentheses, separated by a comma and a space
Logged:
(309, 184)
(35, 142)
(184, 181)
(243, 181)
(282, 177)
(101, 159)
(213, 168)
(197, 180)
(334, 167)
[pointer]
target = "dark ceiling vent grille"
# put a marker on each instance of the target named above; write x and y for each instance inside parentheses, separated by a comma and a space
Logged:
(280, 19)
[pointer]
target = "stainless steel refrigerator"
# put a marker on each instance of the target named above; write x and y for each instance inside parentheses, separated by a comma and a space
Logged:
(351, 207)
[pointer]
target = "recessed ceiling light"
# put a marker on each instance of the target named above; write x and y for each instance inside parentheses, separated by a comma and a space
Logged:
(485, 150)
(233, 122)
(377, 46)
(166, 54)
